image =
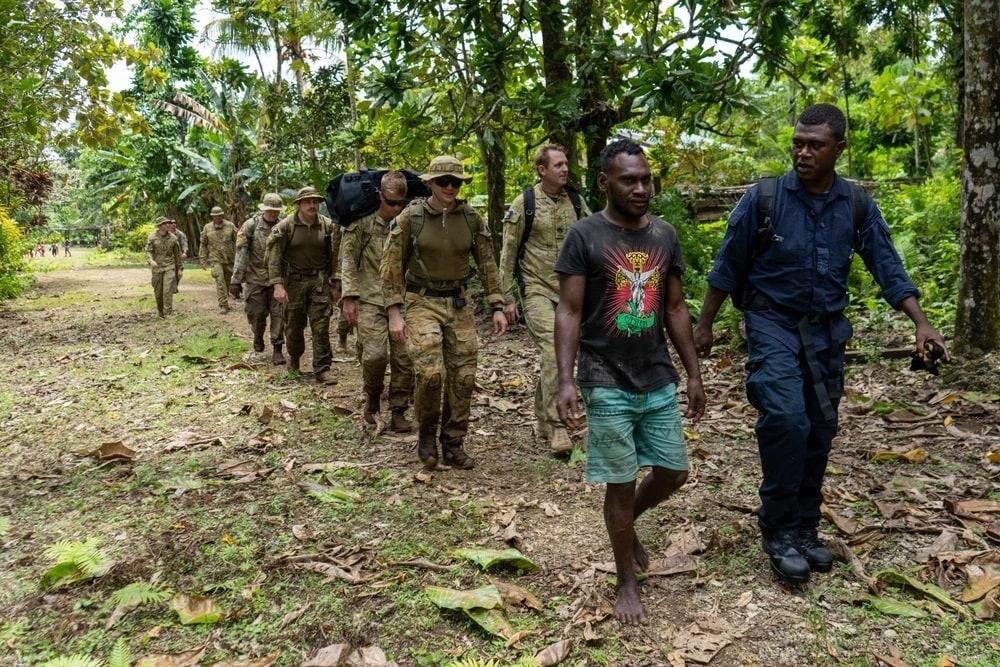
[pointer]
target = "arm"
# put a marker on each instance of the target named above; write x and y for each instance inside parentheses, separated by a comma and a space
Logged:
(149, 252)
(275, 257)
(482, 251)
(203, 247)
(335, 284)
(703, 336)
(391, 273)
(678, 325)
(513, 229)
(349, 273)
(176, 254)
(242, 254)
(571, 292)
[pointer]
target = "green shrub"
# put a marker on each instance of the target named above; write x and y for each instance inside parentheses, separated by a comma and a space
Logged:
(135, 239)
(13, 246)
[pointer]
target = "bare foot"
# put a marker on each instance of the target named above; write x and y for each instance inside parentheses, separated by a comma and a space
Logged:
(640, 556)
(628, 608)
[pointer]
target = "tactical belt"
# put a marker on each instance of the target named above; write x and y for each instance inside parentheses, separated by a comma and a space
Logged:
(304, 274)
(440, 293)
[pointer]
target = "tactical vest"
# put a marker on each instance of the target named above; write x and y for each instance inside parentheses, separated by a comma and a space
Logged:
(436, 261)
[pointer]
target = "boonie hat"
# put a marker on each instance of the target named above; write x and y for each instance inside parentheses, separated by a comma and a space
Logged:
(162, 220)
(216, 211)
(272, 201)
(308, 192)
(445, 165)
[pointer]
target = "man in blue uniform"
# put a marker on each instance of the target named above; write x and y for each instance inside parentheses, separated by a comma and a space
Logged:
(785, 258)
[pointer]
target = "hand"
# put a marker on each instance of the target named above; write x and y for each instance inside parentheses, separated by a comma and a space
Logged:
(568, 405)
(280, 295)
(696, 400)
(499, 323)
(351, 311)
(183, 256)
(703, 339)
(510, 310)
(153, 264)
(927, 334)
(236, 289)
(335, 291)
(398, 330)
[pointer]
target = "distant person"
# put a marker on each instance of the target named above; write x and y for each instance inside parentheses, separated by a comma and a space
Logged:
(163, 255)
(41, 250)
(55, 249)
(218, 252)
(620, 296)
(789, 273)
(183, 240)
(66, 252)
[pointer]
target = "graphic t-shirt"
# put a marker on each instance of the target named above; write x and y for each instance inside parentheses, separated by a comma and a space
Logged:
(623, 342)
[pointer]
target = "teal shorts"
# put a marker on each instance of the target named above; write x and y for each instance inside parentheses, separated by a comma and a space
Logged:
(627, 430)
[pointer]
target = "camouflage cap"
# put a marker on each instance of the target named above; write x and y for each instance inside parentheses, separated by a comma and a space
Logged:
(162, 220)
(308, 192)
(272, 201)
(216, 211)
(445, 165)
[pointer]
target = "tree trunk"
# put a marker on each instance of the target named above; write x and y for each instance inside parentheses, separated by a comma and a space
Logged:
(490, 131)
(494, 158)
(558, 79)
(977, 325)
(351, 77)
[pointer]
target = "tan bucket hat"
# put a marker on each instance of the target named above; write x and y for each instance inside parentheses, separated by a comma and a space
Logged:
(308, 192)
(445, 165)
(272, 201)
(163, 220)
(216, 211)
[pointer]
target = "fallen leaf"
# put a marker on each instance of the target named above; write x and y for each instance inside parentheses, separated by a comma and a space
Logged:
(907, 416)
(979, 586)
(519, 637)
(844, 524)
(329, 656)
(702, 640)
(945, 661)
(515, 596)
(182, 659)
(893, 607)
(744, 599)
(424, 477)
(331, 571)
(330, 494)
(241, 367)
(971, 507)
(930, 590)
(112, 451)
(894, 660)
(266, 415)
(425, 564)
(341, 411)
(551, 509)
(293, 616)
(167, 370)
(987, 608)
(491, 620)
(916, 455)
(302, 532)
(993, 457)
(554, 653)
(288, 405)
(369, 656)
(266, 661)
(489, 558)
(487, 597)
(946, 541)
(192, 609)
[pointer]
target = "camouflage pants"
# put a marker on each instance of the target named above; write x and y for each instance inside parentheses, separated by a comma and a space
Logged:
(308, 300)
(259, 305)
(379, 351)
(442, 344)
(540, 316)
(163, 290)
(223, 274)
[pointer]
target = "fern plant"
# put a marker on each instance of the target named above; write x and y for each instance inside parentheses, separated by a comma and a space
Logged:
(140, 593)
(120, 656)
(75, 561)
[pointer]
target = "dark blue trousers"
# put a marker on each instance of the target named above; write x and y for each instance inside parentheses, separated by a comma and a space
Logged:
(793, 436)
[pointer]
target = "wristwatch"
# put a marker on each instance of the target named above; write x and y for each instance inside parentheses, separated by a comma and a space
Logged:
(498, 309)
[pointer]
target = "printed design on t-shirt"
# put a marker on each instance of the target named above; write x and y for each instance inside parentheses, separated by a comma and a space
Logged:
(634, 290)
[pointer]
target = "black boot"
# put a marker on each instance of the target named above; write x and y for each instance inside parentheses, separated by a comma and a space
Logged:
(787, 563)
(428, 452)
(819, 557)
(455, 456)
(372, 407)
(277, 358)
(258, 342)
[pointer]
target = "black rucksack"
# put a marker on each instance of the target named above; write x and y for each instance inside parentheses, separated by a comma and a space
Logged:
(355, 194)
(529, 220)
(764, 234)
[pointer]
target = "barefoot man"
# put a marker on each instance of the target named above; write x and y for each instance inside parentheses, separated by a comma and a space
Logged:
(620, 288)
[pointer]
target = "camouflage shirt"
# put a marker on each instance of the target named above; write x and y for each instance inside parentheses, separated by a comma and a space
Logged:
(218, 245)
(296, 247)
(553, 218)
(165, 250)
(183, 240)
(251, 252)
(439, 258)
(361, 258)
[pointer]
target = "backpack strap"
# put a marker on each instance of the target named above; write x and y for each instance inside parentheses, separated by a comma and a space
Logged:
(529, 219)
(574, 198)
(859, 211)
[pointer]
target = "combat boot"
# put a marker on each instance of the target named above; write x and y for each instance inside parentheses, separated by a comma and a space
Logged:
(277, 358)
(428, 452)
(258, 342)
(560, 442)
(787, 562)
(325, 377)
(400, 424)
(372, 407)
(819, 557)
(293, 364)
(455, 456)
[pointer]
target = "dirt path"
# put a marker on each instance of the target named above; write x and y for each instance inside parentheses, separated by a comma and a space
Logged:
(221, 501)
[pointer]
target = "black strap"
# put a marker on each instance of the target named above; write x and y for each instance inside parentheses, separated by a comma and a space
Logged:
(529, 219)
(815, 370)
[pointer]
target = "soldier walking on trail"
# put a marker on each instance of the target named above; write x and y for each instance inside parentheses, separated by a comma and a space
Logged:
(301, 265)
(785, 259)
(534, 229)
(427, 258)
(183, 240)
(163, 255)
(217, 253)
(620, 293)
(364, 305)
(250, 267)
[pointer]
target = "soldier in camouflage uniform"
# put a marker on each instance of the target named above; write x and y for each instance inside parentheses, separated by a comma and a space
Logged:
(364, 305)
(163, 255)
(532, 259)
(302, 261)
(217, 252)
(183, 240)
(251, 268)
(427, 258)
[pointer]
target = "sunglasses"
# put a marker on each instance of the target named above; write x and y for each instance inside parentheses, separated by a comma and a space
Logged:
(448, 182)
(393, 202)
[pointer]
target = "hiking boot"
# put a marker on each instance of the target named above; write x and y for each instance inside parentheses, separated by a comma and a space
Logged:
(455, 456)
(427, 451)
(258, 342)
(372, 407)
(325, 376)
(560, 442)
(787, 562)
(819, 557)
(277, 358)
(400, 424)
(293, 364)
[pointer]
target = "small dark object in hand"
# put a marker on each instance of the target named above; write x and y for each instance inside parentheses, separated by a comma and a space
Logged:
(928, 359)
(458, 302)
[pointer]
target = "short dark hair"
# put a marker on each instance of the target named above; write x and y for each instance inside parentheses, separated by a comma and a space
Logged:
(616, 148)
(825, 114)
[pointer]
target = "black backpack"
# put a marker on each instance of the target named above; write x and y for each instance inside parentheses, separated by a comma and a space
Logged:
(764, 234)
(354, 195)
(529, 220)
